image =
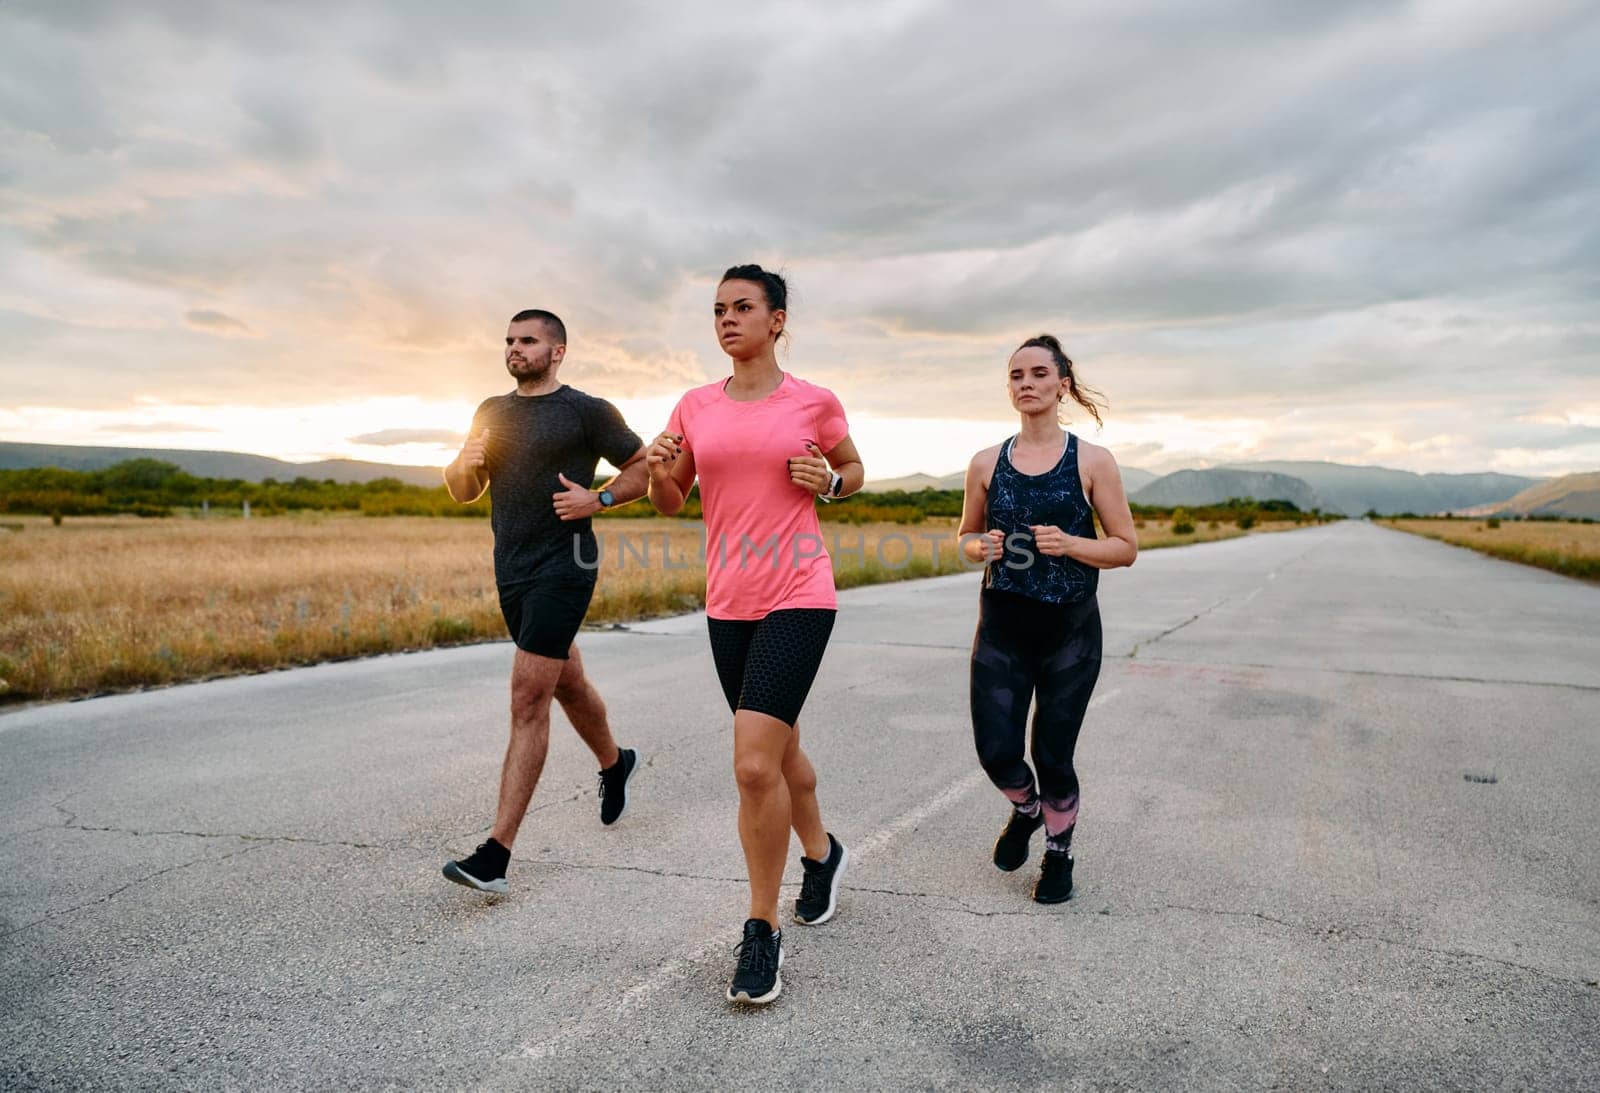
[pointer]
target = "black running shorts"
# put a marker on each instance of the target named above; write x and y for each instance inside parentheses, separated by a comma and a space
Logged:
(767, 665)
(543, 616)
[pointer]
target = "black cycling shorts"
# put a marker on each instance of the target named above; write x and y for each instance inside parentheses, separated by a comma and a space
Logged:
(767, 665)
(543, 616)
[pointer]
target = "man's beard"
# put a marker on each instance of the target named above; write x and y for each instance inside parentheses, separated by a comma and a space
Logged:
(529, 371)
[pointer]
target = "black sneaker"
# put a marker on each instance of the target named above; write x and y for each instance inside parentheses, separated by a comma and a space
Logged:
(819, 891)
(614, 785)
(1011, 848)
(756, 980)
(1055, 878)
(485, 870)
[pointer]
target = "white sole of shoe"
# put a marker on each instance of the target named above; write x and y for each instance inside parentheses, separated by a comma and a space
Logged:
(454, 872)
(777, 987)
(833, 891)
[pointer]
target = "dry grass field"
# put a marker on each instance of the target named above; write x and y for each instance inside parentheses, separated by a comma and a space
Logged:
(1155, 534)
(1564, 546)
(103, 603)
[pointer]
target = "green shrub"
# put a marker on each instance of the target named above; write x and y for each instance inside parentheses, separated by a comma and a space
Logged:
(1492, 522)
(448, 628)
(870, 514)
(1182, 524)
(1246, 521)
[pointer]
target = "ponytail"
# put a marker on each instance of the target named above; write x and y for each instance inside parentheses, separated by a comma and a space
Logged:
(1084, 395)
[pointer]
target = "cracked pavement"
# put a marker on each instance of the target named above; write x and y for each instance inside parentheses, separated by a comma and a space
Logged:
(1338, 831)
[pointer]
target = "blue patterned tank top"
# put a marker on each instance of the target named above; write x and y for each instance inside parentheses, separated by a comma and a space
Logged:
(1017, 501)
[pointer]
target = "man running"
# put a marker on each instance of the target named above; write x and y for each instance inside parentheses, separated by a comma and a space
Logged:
(535, 449)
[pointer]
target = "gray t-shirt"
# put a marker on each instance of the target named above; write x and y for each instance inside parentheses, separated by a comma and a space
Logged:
(532, 439)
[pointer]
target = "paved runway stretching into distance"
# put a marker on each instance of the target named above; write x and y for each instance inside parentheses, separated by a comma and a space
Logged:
(1339, 830)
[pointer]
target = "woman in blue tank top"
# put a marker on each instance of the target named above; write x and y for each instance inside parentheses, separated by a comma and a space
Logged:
(1029, 513)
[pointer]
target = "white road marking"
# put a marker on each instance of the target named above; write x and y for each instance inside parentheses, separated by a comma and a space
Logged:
(869, 846)
(1100, 700)
(665, 973)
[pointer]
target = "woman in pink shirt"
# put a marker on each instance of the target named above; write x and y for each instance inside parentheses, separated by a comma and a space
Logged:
(764, 445)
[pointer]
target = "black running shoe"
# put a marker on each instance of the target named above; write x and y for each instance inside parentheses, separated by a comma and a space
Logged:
(1011, 848)
(819, 891)
(614, 785)
(756, 980)
(1055, 878)
(485, 870)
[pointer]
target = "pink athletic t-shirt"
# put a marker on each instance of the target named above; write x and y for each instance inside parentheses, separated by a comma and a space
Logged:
(764, 547)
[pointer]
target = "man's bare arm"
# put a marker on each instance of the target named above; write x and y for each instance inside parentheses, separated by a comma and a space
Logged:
(576, 502)
(466, 478)
(630, 483)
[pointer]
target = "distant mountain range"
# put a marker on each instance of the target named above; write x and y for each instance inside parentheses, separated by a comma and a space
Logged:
(247, 468)
(1355, 490)
(1132, 479)
(911, 483)
(1212, 487)
(1571, 495)
(1332, 487)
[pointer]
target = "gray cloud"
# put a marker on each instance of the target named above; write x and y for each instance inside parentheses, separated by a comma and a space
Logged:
(216, 322)
(1358, 210)
(390, 437)
(153, 427)
(282, 129)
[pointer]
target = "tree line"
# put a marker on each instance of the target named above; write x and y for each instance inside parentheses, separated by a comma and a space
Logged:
(154, 488)
(151, 487)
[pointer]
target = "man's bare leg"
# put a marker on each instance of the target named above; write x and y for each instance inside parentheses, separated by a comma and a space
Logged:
(585, 709)
(533, 684)
(587, 712)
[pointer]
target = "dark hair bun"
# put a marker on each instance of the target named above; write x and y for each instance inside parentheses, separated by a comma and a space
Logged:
(773, 286)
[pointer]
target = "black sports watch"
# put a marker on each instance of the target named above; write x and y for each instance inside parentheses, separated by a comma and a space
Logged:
(607, 499)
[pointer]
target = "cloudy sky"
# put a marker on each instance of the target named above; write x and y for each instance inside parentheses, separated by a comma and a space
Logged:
(1366, 232)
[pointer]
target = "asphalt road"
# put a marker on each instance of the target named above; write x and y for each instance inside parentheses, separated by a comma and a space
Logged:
(1339, 830)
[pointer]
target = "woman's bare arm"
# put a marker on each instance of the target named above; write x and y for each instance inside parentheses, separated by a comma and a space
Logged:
(671, 473)
(978, 544)
(1121, 543)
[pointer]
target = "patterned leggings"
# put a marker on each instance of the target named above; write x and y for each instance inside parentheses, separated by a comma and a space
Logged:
(1026, 648)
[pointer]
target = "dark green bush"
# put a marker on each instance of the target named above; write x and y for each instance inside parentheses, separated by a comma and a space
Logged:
(447, 628)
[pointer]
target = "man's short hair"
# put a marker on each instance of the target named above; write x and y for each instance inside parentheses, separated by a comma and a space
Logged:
(552, 322)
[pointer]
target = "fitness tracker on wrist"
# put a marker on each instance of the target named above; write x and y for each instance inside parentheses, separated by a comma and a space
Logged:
(607, 499)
